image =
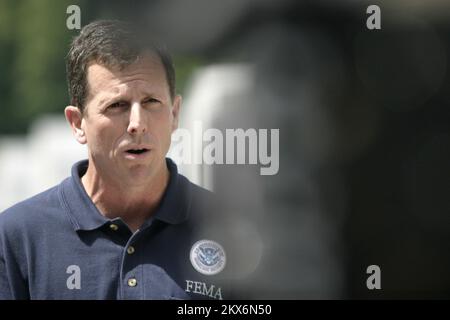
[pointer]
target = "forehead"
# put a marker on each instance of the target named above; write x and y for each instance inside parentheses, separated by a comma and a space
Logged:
(147, 74)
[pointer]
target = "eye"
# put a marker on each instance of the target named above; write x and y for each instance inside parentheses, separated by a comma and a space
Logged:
(117, 105)
(151, 100)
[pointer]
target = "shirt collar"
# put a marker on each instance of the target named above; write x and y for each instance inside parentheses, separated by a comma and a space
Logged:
(173, 208)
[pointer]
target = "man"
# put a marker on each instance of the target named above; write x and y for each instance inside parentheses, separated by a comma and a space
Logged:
(125, 225)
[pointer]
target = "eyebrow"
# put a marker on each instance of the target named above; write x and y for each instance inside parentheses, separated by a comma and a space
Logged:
(108, 99)
(111, 97)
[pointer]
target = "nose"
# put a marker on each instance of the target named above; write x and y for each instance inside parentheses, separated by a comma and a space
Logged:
(137, 123)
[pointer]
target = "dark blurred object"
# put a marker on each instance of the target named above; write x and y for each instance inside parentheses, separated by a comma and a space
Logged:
(363, 140)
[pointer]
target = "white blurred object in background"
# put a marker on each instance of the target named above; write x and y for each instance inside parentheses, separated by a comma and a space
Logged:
(33, 163)
(206, 101)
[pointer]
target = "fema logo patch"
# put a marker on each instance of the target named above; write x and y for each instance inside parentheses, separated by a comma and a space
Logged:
(208, 257)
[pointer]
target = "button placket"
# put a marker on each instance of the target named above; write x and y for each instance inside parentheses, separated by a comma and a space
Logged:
(132, 270)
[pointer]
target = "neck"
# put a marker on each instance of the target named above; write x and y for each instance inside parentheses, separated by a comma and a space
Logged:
(133, 203)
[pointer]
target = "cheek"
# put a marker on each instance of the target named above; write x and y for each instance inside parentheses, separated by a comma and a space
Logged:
(103, 135)
(162, 129)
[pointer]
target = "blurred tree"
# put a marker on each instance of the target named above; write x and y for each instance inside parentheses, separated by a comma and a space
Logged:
(34, 41)
(38, 70)
(7, 18)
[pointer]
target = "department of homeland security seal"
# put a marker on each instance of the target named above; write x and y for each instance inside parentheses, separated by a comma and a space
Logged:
(208, 257)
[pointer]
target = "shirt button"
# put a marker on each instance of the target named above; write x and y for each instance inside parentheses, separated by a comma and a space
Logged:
(132, 282)
(130, 250)
(113, 227)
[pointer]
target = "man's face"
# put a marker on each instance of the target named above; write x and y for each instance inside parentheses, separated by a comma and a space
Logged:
(128, 120)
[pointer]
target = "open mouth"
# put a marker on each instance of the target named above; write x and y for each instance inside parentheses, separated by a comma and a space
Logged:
(137, 151)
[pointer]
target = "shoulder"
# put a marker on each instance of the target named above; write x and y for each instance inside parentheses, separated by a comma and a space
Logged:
(30, 212)
(201, 194)
(201, 200)
(206, 211)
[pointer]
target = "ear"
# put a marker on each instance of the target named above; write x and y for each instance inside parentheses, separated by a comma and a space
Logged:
(176, 111)
(75, 119)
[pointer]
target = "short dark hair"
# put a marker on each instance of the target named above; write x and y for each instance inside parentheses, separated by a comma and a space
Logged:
(112, 43)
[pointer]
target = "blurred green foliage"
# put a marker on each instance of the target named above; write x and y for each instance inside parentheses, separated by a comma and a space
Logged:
(34, 41)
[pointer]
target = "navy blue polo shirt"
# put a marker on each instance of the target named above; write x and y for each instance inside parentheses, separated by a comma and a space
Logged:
(57, 245)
